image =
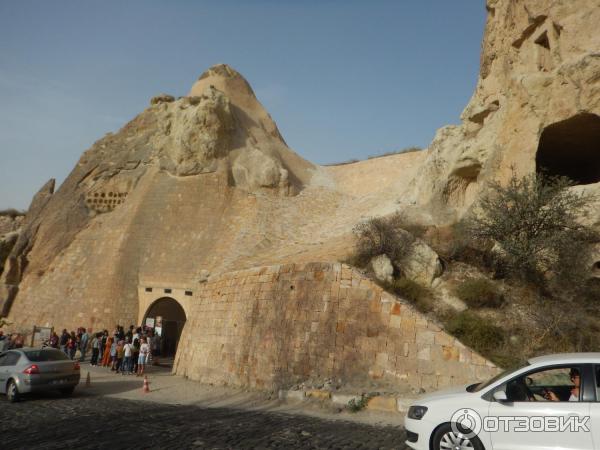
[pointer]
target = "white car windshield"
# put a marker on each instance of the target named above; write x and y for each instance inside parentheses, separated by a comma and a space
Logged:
(491, 381)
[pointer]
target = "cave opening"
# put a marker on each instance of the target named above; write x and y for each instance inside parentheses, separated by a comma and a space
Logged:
(571, 148)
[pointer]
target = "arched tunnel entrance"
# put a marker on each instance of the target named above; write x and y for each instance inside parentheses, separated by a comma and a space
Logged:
(169, 318)
(571, 148)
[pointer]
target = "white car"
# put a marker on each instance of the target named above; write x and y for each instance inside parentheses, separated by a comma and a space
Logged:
(552, 402)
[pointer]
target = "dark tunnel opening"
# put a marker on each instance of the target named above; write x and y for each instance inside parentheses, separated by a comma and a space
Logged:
(571, 148)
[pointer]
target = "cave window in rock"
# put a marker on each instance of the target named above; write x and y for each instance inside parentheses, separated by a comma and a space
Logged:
(169, 319)
(571, 148)
(544, 57)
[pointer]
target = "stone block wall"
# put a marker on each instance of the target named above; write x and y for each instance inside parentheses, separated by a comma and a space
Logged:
(269, 327)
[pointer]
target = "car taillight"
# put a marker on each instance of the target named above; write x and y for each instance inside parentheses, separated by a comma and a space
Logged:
(76, 367)
(32, 370)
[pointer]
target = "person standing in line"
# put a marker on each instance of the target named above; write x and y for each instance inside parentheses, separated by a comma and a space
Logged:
(136, 335)
(149, 341)
(3, 341)
(143, 358)
(127, 353)
(19, 341)
(53, 341)
(113, 354)
(106, 353)
(83, 345)
(120, 356)
(71, 346)
(135, 355)
(95, 344)
(129, 334)
(102, 342)
(64, 338)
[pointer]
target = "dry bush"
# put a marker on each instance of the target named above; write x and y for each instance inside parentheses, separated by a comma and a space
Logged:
(11, 212)
(476, 332)
(479, 293)
(382, 236)
(534, 222)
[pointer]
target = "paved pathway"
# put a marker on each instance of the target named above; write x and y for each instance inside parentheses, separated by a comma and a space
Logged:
(89, 421)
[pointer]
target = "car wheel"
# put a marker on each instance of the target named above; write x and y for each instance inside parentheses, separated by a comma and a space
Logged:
(12, 392)
(66, 392)
(445, 438)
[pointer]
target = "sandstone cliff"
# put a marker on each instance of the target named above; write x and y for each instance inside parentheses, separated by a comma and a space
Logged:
(207, 183)
(89, 240)
(536, 106)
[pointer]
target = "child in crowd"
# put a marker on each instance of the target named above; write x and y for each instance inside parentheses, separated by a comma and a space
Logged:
(113, 354)
(120, 355)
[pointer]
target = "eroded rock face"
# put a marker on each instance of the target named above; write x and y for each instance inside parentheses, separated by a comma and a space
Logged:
(253, 170)
(21, 245)
(197, 132)
(201, 152)
(7, 242)
(540, 65)
(197, 183)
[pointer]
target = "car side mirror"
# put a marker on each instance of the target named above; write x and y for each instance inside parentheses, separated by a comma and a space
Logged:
(500, 396)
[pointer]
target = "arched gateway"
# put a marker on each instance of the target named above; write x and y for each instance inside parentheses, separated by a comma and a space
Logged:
(168, 318)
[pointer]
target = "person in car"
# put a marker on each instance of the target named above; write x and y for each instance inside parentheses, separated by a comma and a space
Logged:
(574, 397)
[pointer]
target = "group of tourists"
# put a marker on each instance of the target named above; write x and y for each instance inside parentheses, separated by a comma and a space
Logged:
(13, 340)
(125, 352)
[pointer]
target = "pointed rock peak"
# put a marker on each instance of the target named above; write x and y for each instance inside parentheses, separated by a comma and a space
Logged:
(225, 79)
(221, 70)
(252, 115)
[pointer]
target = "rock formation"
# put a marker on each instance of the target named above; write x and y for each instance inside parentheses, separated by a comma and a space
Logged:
(192, 194)
(536, 106)
(208, 150)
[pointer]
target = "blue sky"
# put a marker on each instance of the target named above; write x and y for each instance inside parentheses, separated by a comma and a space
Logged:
(343, 79)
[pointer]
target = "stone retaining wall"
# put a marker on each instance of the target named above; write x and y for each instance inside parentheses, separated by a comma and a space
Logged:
(270, 327)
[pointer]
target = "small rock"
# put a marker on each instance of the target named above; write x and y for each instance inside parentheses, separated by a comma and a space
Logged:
(383, 268)
(162, 98)
(203, 276)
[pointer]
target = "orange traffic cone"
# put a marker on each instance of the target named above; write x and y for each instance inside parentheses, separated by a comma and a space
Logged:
(146, 388)
(88, 380)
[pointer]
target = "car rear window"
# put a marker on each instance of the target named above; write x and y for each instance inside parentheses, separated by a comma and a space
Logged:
(9, 359)
(45, 355)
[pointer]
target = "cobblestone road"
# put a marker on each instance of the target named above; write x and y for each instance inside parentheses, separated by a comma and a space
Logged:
(86, 422)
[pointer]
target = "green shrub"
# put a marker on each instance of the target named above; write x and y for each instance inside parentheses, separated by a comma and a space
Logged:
(534, 222)
(417, 294)
(458, 245)
(480, 293)
(357, 405)
(476, 332)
